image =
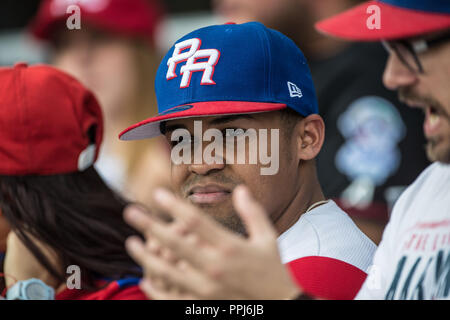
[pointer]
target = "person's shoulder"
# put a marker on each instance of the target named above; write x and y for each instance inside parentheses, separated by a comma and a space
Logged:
(342, 258)
(330, 220)
(298, 241)
(425, 189)
(435, 171)
(339, 237)
(326, 277)
(430, 180)
(327, 232)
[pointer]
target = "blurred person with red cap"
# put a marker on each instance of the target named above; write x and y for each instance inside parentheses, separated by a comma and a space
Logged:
(61, 214)
(370, 137)
(412, 260)
(113, 54)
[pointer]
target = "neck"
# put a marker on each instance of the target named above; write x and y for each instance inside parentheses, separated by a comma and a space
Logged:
(308, 193)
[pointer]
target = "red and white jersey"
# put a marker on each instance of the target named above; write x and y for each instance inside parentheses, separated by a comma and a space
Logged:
(327, 254)
(413, 259)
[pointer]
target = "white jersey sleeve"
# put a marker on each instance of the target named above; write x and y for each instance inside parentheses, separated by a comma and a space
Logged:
(327, 254)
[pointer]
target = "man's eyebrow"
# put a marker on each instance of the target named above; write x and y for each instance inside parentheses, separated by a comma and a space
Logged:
(227, 119)
(165, 128)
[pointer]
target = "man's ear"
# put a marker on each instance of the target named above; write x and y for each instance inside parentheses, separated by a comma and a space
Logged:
(310, 136)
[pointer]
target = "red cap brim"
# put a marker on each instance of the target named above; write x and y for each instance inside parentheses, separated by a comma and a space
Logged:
(150, 128)
(395, 23)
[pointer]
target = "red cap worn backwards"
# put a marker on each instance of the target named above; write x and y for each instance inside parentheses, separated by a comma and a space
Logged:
(49, 123)
(136, 18)
(388, 20)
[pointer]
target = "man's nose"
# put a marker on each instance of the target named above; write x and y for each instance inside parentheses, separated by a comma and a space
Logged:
(396, 74)
(205, 168)
(208, 162)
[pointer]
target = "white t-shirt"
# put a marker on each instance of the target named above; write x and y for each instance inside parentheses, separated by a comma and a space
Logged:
(326, 252)
(413, 261)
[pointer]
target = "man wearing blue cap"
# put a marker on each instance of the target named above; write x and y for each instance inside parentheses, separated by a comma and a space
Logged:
(412, 261)
(229, 81)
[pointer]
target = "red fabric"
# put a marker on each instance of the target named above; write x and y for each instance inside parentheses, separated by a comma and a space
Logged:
(327, 278)
(395, 23)
(45, 121)
(127, 17)
(376, 211)
(111, 292)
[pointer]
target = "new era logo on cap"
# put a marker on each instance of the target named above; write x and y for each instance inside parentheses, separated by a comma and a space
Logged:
(294, 91)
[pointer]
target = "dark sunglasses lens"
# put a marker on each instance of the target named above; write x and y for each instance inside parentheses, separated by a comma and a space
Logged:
(406, 55)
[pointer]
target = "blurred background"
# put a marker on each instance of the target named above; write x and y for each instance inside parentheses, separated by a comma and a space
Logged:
(370, 153)
(16, 43)
(115, 53)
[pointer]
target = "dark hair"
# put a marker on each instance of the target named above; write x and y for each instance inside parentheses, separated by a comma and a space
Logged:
(290, 118)
(77, 216)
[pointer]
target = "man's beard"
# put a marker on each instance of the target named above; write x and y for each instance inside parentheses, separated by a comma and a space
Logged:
(432, 149)
(434, 155)
(233, 223)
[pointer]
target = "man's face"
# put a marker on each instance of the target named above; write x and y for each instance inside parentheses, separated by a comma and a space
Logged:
(428, 91)
(209, 186)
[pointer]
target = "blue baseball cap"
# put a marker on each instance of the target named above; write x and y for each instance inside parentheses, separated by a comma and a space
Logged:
(229, 69)
(397, 19)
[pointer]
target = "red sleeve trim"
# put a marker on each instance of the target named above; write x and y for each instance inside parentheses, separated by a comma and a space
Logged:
(110, 292)
(129, 293)
(327, 278)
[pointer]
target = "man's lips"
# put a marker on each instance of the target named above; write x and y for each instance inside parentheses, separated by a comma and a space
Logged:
(432, 122)
(210, 193)
(433, 116)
